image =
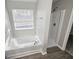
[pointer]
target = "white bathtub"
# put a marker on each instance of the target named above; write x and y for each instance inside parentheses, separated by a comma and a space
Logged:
(22, 47)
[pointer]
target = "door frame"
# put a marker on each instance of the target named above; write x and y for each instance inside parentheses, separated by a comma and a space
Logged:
(60, 25)
(68, 31)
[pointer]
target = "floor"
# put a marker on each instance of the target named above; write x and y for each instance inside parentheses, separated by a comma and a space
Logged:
(52, 53)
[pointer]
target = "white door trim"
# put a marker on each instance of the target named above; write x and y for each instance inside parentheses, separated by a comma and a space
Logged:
(60, 24)
(68, 31)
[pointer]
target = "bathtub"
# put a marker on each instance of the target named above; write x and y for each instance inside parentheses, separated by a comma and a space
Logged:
(22, 47)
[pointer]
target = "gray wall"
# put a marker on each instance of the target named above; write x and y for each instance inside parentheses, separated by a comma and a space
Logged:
(68, 5)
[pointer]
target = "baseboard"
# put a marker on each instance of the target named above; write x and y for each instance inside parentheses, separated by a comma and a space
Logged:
(24, 54)
(43, 53)
(61, 48)
(69, 52)
(52, 46)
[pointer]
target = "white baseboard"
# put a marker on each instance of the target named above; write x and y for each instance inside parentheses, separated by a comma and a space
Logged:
(60, 47)
(54, 45)
(69, 52)
(24, 54)
(43, 53)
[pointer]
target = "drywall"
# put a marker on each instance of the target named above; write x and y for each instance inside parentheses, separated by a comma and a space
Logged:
(61, 5)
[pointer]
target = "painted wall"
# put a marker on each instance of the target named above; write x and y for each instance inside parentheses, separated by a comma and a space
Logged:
(67, 5)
